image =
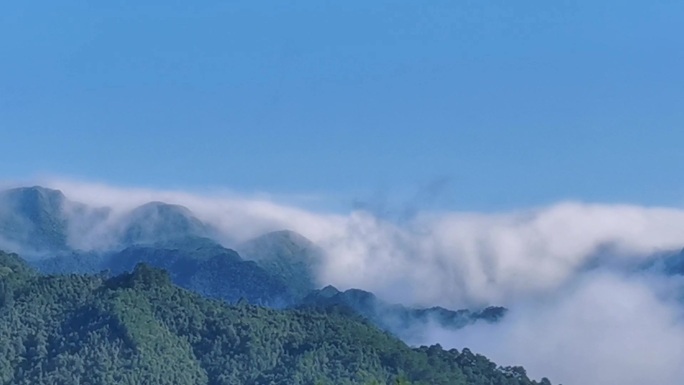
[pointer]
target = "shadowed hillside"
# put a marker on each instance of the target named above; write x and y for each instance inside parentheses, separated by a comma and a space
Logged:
(138, 328)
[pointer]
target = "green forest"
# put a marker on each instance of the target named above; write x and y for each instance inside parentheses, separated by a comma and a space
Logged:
(139, 328)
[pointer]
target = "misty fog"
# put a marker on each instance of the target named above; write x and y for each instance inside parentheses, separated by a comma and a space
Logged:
(581, 311)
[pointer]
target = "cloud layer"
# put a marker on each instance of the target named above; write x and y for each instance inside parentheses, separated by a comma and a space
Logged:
(605, 329)
(577, 314)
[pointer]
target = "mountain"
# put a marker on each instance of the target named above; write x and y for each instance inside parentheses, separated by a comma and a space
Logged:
(195, 263)
(288, 255)
(39, 222)
(279, 269)
(32, 219)
(202, 265)
(671, 263)
(156, 222)
(405, 322)
(138, 328)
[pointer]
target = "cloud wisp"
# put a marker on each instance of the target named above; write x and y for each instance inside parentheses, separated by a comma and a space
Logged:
(578, 315)
(604, 329)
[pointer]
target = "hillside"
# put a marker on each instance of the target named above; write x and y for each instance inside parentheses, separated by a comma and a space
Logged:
(158, 222)
(288, 255)
(405, 322)
(208, 269)
(138, 328)
(278, 269)
(31, 218)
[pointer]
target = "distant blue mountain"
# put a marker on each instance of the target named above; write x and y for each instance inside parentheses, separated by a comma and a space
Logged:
(204, 266)
(669, 263)
(32, 218)
(156, 222)
(279, 269)
(403, 321)
(288, 255)
(38, 220)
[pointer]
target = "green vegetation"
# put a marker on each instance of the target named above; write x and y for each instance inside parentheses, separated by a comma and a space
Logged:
(195, 263)
(400, 320)
(138, 328)
(31, 216)
(287, 255)
(209, 269)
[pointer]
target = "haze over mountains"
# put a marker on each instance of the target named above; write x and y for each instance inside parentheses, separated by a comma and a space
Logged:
(600, 280)
(138, 328)
(103, 312)
(280, 269)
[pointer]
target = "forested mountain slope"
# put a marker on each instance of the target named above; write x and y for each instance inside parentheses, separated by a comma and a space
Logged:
(405, 322)
(288, 255)
(138, 328)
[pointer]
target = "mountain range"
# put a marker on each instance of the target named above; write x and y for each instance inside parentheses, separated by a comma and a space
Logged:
(139, 328)
(120, 300)
(276, 270)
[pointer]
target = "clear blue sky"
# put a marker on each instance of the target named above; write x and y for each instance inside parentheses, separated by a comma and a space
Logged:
(510, 103)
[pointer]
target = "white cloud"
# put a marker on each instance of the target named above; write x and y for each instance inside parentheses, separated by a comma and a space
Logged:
(448, 258)
(567, 323)
(457, 259)
(606, 329)
(238, 218)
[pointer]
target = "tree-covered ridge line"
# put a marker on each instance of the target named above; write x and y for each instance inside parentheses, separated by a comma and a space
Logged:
(279, 276)
(276, 269)
(138, 328)
(403, 321)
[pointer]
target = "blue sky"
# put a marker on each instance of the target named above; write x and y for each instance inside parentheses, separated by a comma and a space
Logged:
(486, 105)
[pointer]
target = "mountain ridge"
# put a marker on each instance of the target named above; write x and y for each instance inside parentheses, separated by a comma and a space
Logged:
(398, 319)
(34, 216)
(139, 328)
(279, 269)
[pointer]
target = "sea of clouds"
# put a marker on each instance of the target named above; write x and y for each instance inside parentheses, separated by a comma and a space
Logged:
(581, 309)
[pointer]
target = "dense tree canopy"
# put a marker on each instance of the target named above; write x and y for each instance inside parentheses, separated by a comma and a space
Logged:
(138, 328)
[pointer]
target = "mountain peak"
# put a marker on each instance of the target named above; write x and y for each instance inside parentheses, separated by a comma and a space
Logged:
(36, 189)
(283, 238)
(160, 221)
(286, 254)
(162, 207)
(283, 246)
(39, 196)
(32, 217)
(328, 291)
